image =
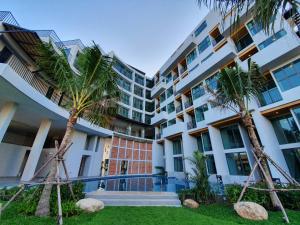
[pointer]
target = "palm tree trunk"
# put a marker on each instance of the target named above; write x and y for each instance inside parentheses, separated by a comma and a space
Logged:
(247, 120)
(43, 207)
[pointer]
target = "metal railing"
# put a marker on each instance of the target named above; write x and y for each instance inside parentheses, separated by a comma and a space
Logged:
(52, 36)
(8, 17)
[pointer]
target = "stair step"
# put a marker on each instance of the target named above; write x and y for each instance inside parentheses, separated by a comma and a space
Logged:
(142, 202)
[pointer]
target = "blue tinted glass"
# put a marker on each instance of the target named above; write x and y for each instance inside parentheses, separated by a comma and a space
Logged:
(200, 28)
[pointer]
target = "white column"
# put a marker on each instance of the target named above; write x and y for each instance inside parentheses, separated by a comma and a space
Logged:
(169, 157)
(157, 156)
(218, 150)
(143, 132)
(6, 114)
(36, 150)
(189, 145)
(269, 141)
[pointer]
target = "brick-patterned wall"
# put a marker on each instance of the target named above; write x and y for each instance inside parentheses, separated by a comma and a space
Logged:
(137, 153)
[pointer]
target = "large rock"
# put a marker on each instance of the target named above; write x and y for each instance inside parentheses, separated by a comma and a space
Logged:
(251, 211)
(190, 203)
(90, 205)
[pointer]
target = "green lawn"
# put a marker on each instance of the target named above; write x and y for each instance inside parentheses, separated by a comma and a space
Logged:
(212, 214)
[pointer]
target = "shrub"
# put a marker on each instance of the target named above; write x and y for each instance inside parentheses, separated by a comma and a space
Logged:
(290, 200)
(28, 200)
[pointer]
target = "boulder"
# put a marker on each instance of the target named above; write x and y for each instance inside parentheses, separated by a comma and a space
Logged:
(90, 205)
(251, 211)
(190, 203)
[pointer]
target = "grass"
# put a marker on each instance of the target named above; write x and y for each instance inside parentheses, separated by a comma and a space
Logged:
(208, 214)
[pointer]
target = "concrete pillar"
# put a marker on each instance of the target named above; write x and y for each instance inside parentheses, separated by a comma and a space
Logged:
(189, 145)
(269, 141)
(218, 150)
(143, 132)
(157, 156)
(6, 114)
(36, 150)
(169, 157)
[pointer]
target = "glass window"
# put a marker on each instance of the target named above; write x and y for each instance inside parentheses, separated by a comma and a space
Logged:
(136, 116)
(212, 82)
(238, 163)
(200, 112)
(171, 122)
(297, 113)
(148, 94)
(138, 91)
(163, 126)
(200, 28)
(123, 111)
(210, 164)
(254, 27)
(139, 79)
(125, 98)
(137, 103)
(203, 142)
(169, 77)
(204, 45)
(177, 147)
(198, 91)
(231, 137)
(190, 57)
(162, 97)
(148, 119)
(270, 93)
(149, 83)
(292, 158)
(171, 107)
(124, 84)
(178, 164)
(149, 107)
(169, 92)
(123, 69)
(272, 39)
(288, 76)
(286, 129)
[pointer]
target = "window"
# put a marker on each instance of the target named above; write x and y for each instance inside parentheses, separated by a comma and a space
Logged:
(254, 27)
(169, 92)
(148, 94)
(162, 97)
(292, 158)
(200, 112)
(272, 39)
(231, 137)
(270, 93)
(124, 84)
(297, 113)
(288, 76)
(139, 79)
(203, 142)
(123, 111)
(136, 116)
(190, 57)
(125, 98)
(163, 126)
(212, 82)
(171, 107)
(137, 103)
(207, 57)
(149, 83)
(87, 142)
(200, 28)
(178, 164)
(177, 147)
(138, 91)
(163, 109)
(5, 55)
(210, 164)
(148, 119)
(238, 163)
(171, 122)
(204, 45)
(123, 69)
(286, 129)
(198, 91)
(149, 107)
(168, 77)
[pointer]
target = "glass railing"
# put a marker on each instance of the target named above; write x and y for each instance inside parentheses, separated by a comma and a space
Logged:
(243, 42)
(217, 39)
(188, 103)
(178, 108)
(191, 125)
(270, 96)
(175, 77)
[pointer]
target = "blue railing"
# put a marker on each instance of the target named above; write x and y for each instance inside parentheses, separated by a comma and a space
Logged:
(53, 37)
(7, 17)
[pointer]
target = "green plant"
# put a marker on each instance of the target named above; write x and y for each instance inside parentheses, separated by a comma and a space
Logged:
(200, 178)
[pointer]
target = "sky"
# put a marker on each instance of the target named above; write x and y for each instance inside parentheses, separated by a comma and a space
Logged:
(143, 33)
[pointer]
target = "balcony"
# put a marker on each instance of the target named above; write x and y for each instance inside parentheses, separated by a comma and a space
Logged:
(191, 125)
(188, 103)
(179, 109)
(158, 136)
(175, 77)
(174, 129)
(159, 118)
(159, 88)
(216, 61)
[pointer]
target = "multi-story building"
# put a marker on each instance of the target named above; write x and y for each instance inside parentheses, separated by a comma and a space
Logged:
(186, 121)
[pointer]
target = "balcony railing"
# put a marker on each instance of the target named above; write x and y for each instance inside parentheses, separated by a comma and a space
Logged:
(188, 103)
(158, 136)
(7, 17)
(191, 125)
(183, 70)
(175, 77)
(270, 96)
(217, 39)
(36, 81)
(178, 108)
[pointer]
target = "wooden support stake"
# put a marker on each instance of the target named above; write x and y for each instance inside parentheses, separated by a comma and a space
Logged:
(60, 220)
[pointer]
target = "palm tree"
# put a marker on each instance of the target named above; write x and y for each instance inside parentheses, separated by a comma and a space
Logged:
(92, 92)
(235, 89)
(263, 11)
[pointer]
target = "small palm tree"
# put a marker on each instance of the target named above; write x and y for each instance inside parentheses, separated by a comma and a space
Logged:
(92, 92)
(263, 12)
(200, 176)
(235, 89)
